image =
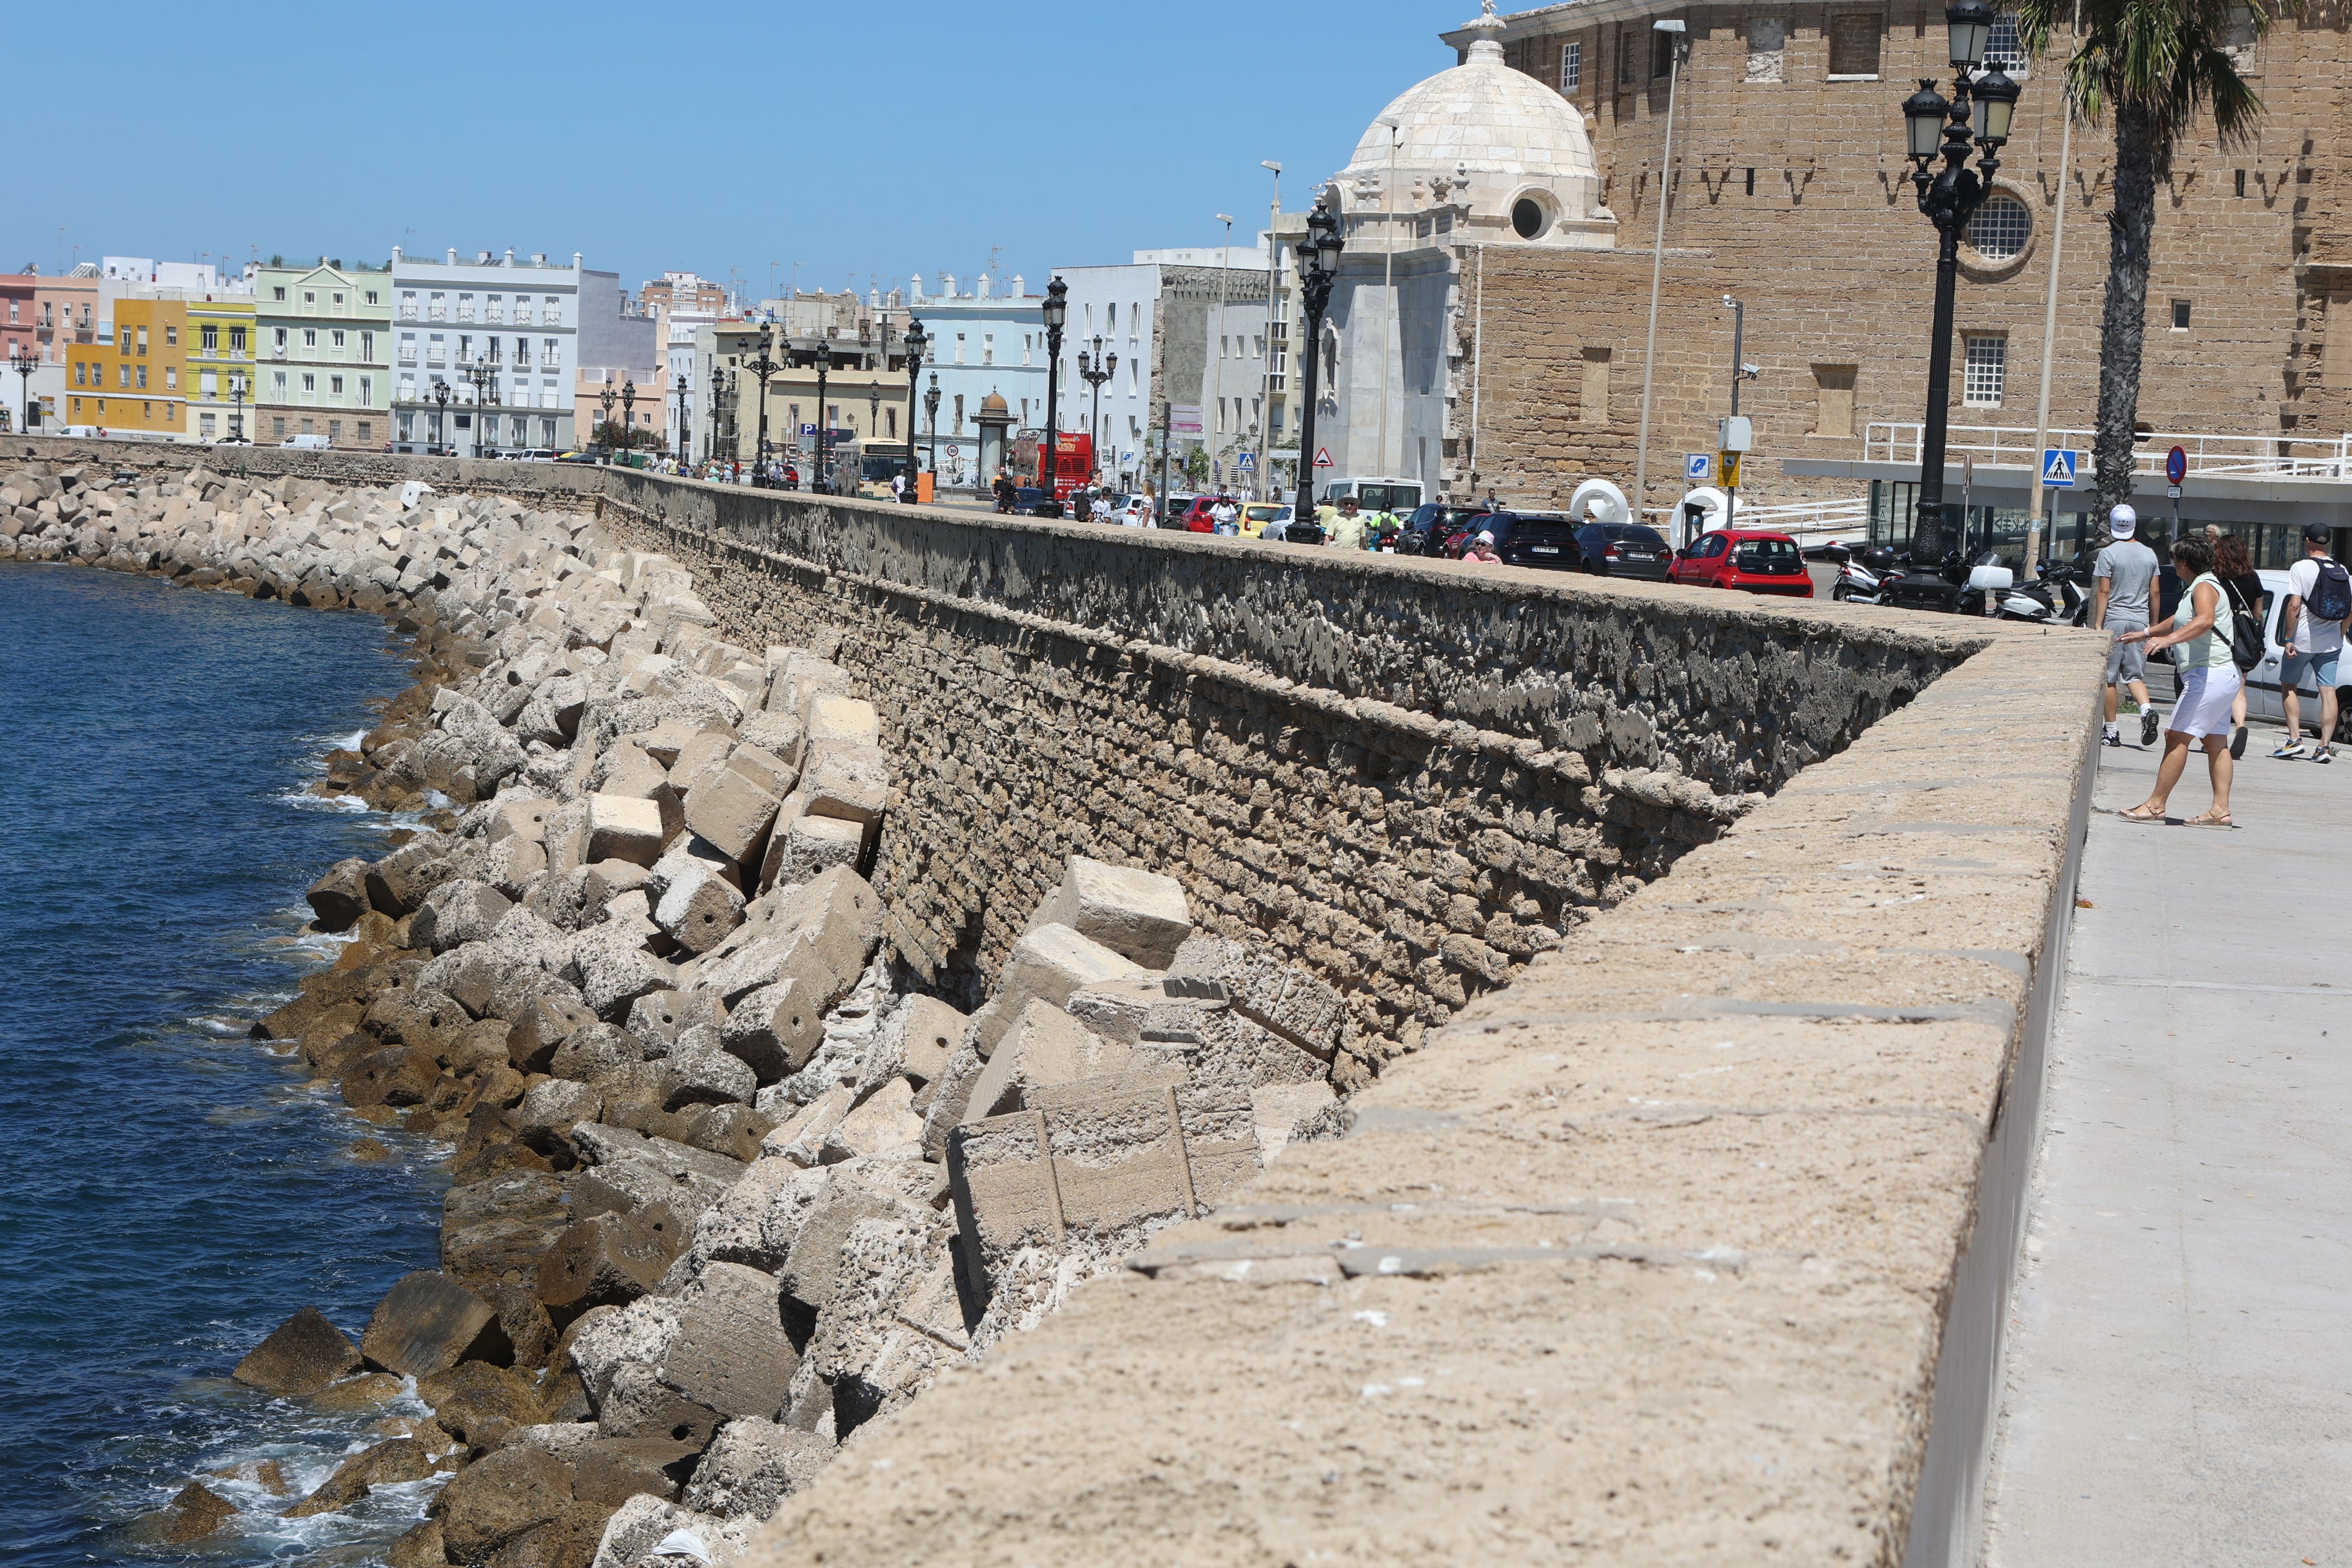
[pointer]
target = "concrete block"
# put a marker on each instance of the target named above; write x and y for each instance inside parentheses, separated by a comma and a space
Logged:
(522, 818)
(851, 782)
(546, 1022)
(1137, 914)
(764, 768)
(930, 1031)
(882, 1123)
(1277, 1110)
(733, 810)
(666, 1015)
(612, 1470)
(428, 1323)
(301, 1356)
(1100, 1162)
(708, 1077)
(752, 1466)
(698, 909)
(835, 720)
(1046, 1046)
(1047, 964)
(730, 1353)
(622, 829)
(602, 1260)
(340, 897)
(807, 846)
(778, 1027)
(497, 1498)
(802, 1138)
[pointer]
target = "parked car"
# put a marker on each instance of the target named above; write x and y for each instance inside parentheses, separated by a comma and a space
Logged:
(1436, 528)
(576, 458)
(1172, 510)
(1624, 550)
(533, 455)
(1031, 500)
(1747, 559)
(1258, 516)
(1533, 538)
(308, 443)
(1135, 513)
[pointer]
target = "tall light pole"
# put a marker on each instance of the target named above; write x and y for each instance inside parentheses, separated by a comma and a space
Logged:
(236, 408)
(24, 361)
(764, 366)
(1265, 379)
(441, 417)
(932, 413)
(679, 441)
(1095, 372)
(1679, 44)
(1218, 334)
(916, 342)
(1949, 197)
(1319, 264)
(1057, 313)
(628, 415)
(718, 395)
(823, 479)
(605, 435)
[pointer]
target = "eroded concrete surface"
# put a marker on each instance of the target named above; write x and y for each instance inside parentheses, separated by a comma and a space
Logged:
(2180, 1354)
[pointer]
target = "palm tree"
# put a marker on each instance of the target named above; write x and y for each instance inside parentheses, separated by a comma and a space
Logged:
(2157, 64)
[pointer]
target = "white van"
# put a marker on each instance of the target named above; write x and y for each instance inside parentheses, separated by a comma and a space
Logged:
(311, 443)
(1397, 496)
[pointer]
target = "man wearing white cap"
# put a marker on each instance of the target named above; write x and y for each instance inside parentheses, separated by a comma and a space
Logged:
(2122, 580)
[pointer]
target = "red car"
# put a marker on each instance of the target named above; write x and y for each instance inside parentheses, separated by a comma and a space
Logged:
(1746, 558)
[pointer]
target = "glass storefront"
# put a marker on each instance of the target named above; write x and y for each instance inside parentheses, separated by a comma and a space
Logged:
(2274, 545)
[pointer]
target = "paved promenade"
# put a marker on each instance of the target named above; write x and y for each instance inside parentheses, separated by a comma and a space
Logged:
(2180, 1352)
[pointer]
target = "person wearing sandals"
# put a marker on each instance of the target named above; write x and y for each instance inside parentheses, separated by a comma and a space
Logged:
(2235, 568)
(2200, 627)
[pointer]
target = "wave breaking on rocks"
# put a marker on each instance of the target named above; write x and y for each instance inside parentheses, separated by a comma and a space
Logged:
(728, 1181)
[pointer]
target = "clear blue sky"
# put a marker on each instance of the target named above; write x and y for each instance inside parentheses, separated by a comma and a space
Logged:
(859, 141)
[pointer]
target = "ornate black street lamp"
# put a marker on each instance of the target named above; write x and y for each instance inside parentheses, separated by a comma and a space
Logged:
(823, 475)
(441, 392)
(1319, 265)
(718, 401)
(628, 415)
(482, 376)
(1057, 315)
(604, 434)
(1095, 372)
(24, 361)
(931, 412)
(680, 442)
(1949, 197)
(916, 342)
(236, 408)
(763, 366)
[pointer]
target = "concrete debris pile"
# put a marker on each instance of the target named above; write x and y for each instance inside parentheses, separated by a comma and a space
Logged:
(725, 1187)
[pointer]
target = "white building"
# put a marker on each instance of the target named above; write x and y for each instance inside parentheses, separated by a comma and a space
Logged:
(517, 321)
(982, 342)
(1189, 327)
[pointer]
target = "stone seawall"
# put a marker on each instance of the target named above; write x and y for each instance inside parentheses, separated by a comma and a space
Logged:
(1406, 776)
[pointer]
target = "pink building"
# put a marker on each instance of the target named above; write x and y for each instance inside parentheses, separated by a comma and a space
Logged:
(64, 310)
(19, 307)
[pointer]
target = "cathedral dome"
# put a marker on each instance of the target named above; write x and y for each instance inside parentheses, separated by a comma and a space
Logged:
(1490, 138)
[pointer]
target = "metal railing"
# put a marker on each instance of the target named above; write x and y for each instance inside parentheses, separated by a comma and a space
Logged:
(2241, 456)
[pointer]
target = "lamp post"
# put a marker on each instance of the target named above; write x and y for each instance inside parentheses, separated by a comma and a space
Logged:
(679, 442)
(628, 415)
(1319, 264)
(441, 417)
(916, 342)
(236, 408)
(605, 400)
(1057, 313)
(764, 365)
(823, 479)
(718, 401)
(1949, 197)
(1095, 372)
(931, 412)
(480, 376)
(24, 361)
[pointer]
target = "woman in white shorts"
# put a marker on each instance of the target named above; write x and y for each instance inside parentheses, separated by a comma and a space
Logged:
(2210, 680)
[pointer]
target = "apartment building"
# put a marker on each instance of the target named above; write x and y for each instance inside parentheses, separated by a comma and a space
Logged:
(323, 365)
(503, 335)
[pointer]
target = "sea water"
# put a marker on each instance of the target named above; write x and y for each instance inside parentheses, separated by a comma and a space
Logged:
(170, 1191)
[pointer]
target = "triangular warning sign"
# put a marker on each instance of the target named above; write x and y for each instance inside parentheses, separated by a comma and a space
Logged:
(1322, 456)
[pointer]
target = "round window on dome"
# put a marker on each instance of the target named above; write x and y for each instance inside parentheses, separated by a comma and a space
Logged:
(2000, 228)
(1527, 218)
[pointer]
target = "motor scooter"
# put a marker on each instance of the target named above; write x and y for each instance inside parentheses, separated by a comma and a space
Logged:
(1862, 578)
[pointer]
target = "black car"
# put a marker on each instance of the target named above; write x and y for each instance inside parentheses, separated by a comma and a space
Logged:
(1437, 529)
(1534, 539)
(1624, 550)
(1028, 502)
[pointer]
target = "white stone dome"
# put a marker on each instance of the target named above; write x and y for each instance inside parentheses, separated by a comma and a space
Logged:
(1482, 118)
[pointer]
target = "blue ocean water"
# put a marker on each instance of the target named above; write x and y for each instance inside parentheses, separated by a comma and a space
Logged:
(170, 1191)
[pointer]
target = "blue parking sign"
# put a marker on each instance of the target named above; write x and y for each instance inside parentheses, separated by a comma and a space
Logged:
(1699, 467)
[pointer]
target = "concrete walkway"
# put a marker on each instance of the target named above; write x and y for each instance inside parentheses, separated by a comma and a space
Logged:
(2180, 1373)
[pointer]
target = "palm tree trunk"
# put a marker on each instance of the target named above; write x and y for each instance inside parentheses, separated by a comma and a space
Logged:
(2125, 322)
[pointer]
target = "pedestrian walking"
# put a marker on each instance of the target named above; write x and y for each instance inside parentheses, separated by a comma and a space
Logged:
(2202, 627)
(2311, 630)
(2236, 570)
(2121, 578)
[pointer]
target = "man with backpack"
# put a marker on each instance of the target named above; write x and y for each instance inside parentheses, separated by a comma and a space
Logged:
(2311, 630)
(2121, 578)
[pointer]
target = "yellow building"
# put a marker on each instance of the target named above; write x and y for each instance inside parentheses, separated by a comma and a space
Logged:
(217, 381)
(132, 382)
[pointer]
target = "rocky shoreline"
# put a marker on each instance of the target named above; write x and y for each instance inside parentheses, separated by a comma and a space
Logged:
(727, 1183)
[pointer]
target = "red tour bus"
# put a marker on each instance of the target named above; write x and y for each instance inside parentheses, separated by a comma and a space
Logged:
(1075, 464)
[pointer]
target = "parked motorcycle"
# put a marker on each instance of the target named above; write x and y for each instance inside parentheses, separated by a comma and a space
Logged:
(1861, 577)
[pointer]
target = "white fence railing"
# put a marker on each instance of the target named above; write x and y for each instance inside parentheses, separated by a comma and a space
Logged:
(2244, 457)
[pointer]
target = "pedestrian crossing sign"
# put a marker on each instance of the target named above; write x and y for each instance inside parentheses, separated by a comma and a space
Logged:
(1246, 462)
(2058, 468)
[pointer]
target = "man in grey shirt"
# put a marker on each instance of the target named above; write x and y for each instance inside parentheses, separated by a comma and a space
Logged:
(2122, 580)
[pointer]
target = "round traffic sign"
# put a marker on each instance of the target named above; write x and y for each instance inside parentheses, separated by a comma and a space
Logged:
(954, 451)
(2176, 466)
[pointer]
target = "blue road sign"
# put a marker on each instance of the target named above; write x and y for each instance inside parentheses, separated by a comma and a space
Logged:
(2058, 468)
(2176, 466)
(808, 429)
(1246, 462)
(1699, 467)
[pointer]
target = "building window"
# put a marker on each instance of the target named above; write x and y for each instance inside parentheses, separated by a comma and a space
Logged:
(335, 384)
(404, 426)
(171, 378)
(371, 299)
(172, 337)
(310, 297)
(310, 381)
(1628, 40)
(122, 377)
(1571, 67)
(278, 295)
(2003, 49)
(208, 382)
(280, 385)
(281, 342)
(409, 304)
(335, 432)
(211, 339)
(204, 426)
(308, 428)
(367, 345)
(1662, 54)
(236, 340)
(2000, 228)
(1853, 43)
(1986, 369)
(339, 298)
(336, 337)
(142, 378)
(367, 389)
(367, 428)
(278, 426)
(2181, 315)
(310, 337)
(547, 432)
(1834, 399)
(143, 340)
